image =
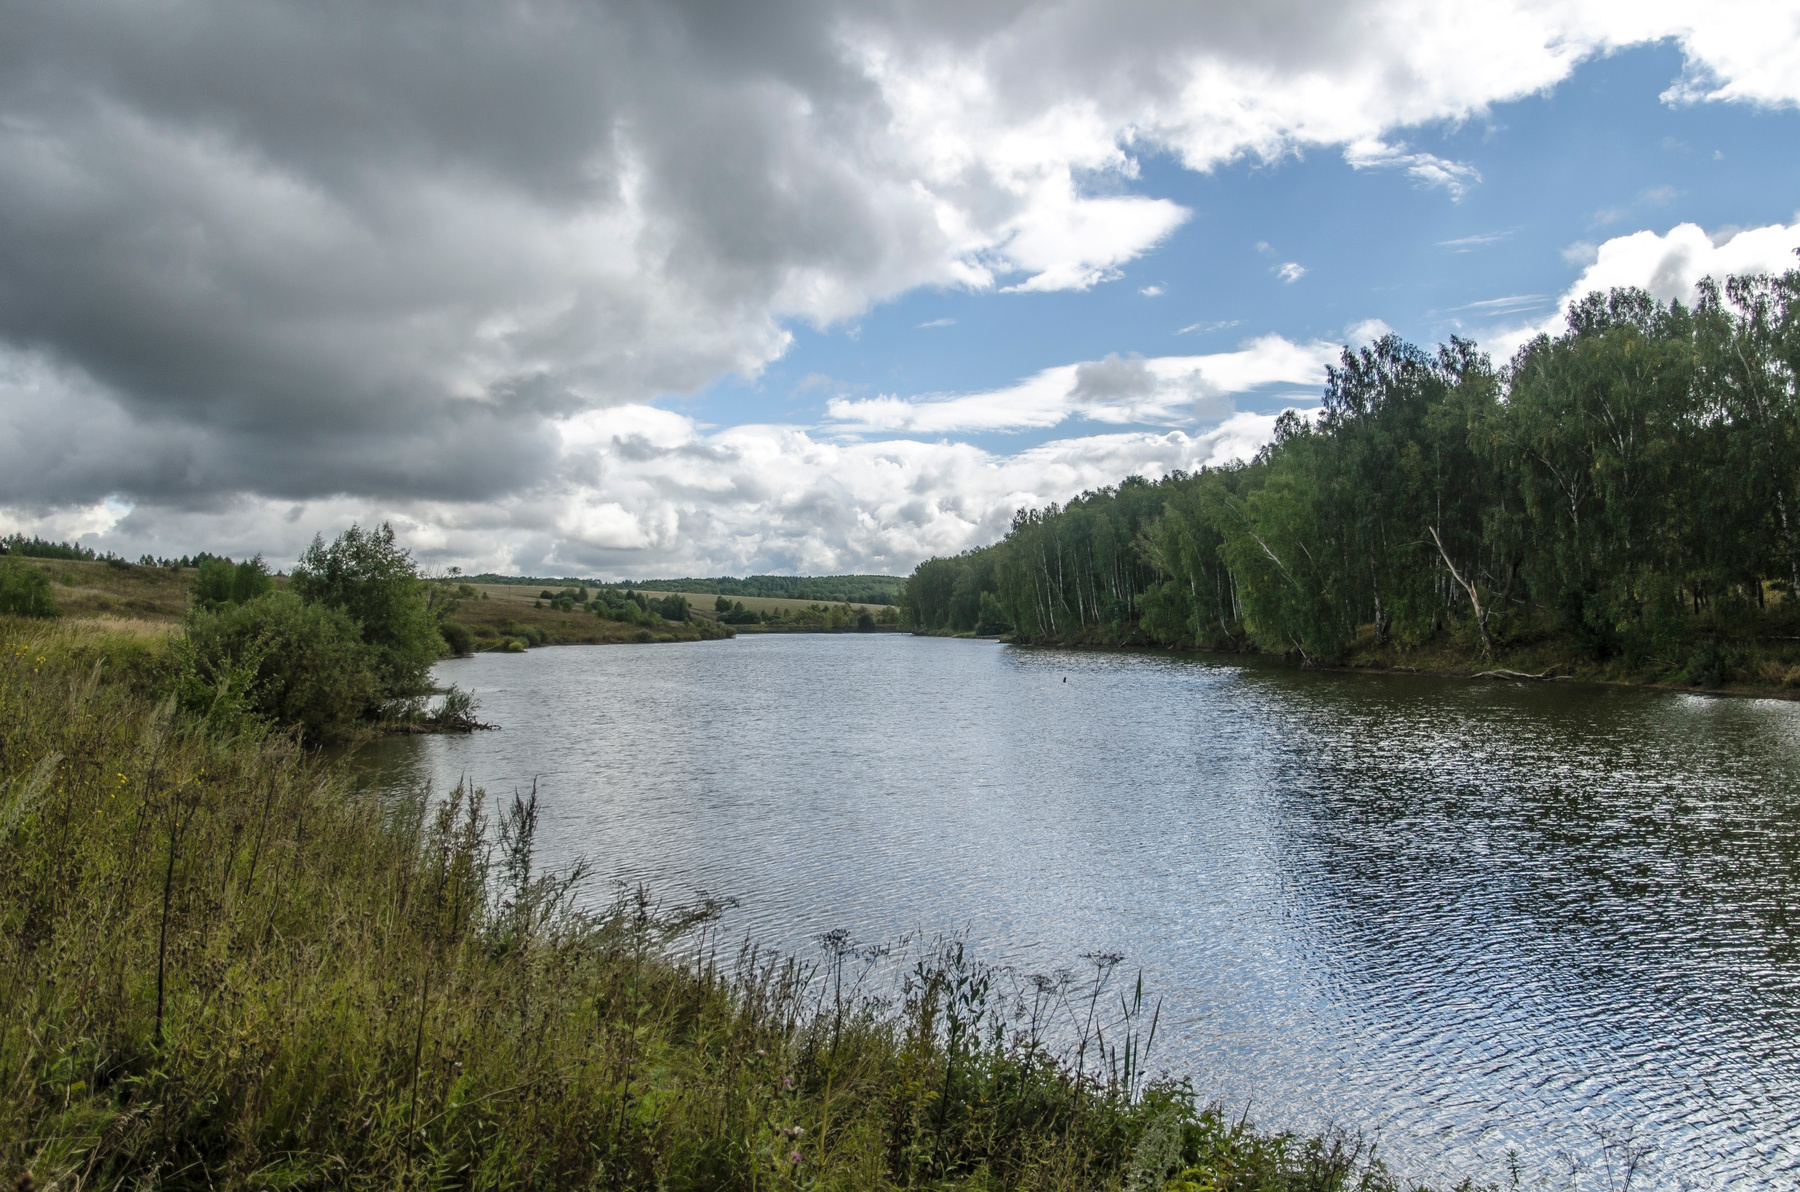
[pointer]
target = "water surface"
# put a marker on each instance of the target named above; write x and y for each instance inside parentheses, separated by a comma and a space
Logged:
(1474, 919)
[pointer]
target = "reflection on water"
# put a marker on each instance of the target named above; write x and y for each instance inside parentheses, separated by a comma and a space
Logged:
(1472, 918)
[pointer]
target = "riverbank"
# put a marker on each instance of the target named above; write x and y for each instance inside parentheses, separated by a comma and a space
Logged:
(229, 966)
(1763, 666)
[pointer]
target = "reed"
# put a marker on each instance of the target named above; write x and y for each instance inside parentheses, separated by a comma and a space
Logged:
(223, 965)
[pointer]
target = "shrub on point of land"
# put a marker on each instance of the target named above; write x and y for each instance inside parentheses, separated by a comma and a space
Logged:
(369, 577)
(458, 637)
(281, 659)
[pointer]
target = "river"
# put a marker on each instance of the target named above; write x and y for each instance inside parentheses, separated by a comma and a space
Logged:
(1484, 923)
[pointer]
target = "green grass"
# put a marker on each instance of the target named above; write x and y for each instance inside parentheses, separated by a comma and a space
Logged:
(88, 589)
(223, 965)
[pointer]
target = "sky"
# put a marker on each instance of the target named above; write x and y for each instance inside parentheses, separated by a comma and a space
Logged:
(633, 290)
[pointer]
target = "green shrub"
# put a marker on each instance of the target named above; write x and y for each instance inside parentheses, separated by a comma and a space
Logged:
(25, 590)
(366, 575)
(1708, 666)
(458, 637)
(282, 660)
(220, 582)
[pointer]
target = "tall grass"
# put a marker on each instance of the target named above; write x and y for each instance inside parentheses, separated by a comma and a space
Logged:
(224, 966)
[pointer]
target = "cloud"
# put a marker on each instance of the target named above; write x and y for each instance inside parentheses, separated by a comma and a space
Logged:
(1582, 252)
(937, 323)
(1366, 332)
(1151, 291)
(680, 500)
(1479, 240)
(1208, 328)
(1291, 272)
(1118, 390)
(256, 259)
(1669, 266)
(1509, 304)
(1425, 169)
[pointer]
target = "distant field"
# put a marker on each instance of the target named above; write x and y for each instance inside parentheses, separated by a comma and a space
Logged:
(85, 590)
(513, 596)
(154, 595)
(508, 606)
(824, 589)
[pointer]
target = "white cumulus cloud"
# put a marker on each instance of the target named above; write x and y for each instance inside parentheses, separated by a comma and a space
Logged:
(1118, 390)
(1669, 265)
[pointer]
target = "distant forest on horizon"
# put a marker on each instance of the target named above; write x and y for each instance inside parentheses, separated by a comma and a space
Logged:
(832, 589)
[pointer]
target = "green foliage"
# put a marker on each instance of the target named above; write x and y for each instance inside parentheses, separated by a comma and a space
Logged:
(526, 635)
(458, 638)
(282, 659)
(37, 548)
(219, 582)
(367, 576)
(1634, 481)
(229, 964)
(25, 590)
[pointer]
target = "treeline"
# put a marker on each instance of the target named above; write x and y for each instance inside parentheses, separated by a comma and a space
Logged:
(828, 589)
(815, 617)
(19, 546)
(839, 589)
(1630, 488)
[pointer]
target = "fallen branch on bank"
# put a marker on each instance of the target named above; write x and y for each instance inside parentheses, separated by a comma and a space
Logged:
(1516, 676)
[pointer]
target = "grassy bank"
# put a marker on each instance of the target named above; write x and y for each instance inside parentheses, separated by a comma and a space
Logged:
(223, 966)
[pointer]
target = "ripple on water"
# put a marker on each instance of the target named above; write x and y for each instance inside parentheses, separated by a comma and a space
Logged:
(1471, 918)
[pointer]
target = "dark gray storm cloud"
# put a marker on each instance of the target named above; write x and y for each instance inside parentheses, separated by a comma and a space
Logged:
(298, 244)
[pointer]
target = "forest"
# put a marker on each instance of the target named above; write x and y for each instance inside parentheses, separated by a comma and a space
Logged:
(1623, 494)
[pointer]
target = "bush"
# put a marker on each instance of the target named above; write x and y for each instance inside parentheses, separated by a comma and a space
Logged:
(528, 635)
(367, 576)
(219, 582)
(282, 660)
(1708, 666)
(458, 637)
(25, 590)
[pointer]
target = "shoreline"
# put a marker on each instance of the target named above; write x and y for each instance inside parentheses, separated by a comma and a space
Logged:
(1486, 671)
